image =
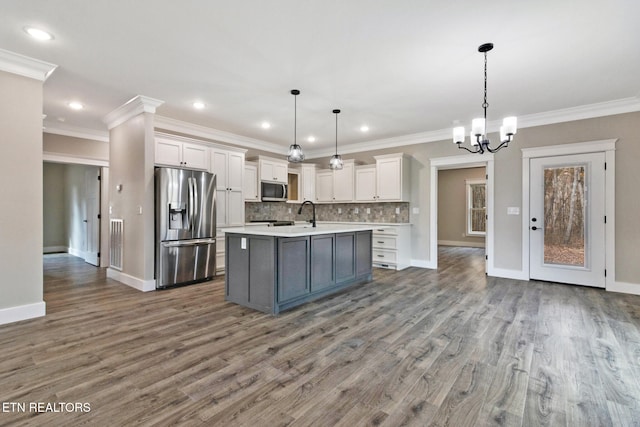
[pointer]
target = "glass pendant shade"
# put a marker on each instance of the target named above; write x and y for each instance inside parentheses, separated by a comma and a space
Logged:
(295, 154)
(335, 162)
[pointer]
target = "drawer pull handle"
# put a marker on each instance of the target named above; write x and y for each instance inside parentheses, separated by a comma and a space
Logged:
(380, 241)
(380, 229)
(381, 256)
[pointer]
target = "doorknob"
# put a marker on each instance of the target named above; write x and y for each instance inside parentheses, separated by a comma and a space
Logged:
(534, 228)
(533, 219)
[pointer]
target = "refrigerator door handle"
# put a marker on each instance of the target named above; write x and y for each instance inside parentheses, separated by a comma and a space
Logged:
(191, 204)
(188, 243)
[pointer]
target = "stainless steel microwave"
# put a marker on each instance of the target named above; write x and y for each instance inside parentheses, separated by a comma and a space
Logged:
(273, 192)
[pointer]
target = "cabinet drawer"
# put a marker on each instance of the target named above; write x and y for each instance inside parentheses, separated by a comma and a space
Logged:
(384, 256)
(385, 230)
(384, 242)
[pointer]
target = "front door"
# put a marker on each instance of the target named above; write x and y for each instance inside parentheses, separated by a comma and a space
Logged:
(567, 223)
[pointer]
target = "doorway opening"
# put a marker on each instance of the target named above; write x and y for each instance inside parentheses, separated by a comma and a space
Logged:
(74, 198)
(455, 163)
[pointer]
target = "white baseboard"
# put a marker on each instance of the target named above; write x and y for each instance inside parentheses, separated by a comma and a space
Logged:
(76, 252)
(464, 244)
(422, 263)
(507, 274)
(626, 288)
(54, 249)
(134, 282)
(22, 312)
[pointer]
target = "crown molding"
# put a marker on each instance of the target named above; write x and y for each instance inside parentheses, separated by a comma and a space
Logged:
(76, 132)
(136, 105)
(589, 111)
(602, 109)
(173, 125)
(25, 66)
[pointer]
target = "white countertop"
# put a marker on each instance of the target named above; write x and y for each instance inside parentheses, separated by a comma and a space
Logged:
(299, 230)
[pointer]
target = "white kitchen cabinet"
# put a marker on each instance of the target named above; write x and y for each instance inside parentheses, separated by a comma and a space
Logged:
(336, 185)
(228, 166)
(391, 246)
(365, 183)
(273, 170)
(393, 178)
(308, 182)
(176, 151)
(251, 182)
(324, 185)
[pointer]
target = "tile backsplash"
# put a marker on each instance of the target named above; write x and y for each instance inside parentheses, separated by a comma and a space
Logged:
(347, 212)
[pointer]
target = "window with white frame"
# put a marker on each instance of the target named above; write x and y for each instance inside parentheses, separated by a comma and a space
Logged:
(476, 207)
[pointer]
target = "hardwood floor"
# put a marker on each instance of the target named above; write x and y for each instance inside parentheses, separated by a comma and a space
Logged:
(418, 347)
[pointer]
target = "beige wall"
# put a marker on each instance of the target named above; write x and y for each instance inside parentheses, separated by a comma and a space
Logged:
(508, 186)
(21, 191)
(54, 210)
(452, 206)
(75, 147)
(131, 165)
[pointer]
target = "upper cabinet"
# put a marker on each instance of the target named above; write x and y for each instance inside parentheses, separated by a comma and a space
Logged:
(274, 170)
(365, 183)
(336, 185)
(179, 152)
(393, 178)
(308, 182)
(251, 182)
(228, 166)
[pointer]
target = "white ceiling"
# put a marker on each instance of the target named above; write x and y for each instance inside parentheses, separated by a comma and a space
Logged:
(402, 67)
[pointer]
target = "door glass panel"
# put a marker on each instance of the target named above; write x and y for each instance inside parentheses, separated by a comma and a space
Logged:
(564, 216)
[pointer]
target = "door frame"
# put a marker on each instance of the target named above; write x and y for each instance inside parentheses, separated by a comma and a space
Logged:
(606, 146)
(104, 193)
(460, 162)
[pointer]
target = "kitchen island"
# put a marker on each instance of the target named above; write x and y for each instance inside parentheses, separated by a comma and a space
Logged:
(272, 269)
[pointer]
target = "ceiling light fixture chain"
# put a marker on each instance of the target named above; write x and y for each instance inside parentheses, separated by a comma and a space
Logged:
(478, 136)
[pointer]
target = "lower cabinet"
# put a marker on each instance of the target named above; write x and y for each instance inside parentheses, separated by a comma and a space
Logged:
(272, 274)
(293, 268)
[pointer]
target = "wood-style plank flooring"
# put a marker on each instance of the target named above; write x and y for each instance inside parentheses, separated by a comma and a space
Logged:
(418, 347)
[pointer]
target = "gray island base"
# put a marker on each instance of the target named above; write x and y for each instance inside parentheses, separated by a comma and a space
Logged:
(272, 269)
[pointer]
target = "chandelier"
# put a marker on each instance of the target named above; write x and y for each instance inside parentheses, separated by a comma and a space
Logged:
(478, 136)
(295, 154)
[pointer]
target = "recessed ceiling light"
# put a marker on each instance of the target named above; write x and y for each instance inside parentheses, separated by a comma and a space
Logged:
(198, 105)
(364, 128)
(38, 34)
(311, 139)
(76, 105)
(265, 125)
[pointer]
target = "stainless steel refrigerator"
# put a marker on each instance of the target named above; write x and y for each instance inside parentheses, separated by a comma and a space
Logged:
(185, 226)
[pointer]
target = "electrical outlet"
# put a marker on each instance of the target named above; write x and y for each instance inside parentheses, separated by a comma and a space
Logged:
(397, 211)
(368, 210)
(356, 210)
(289, 210)
(339, 210)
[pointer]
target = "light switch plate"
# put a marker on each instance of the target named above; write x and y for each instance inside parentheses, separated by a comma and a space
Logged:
(513, 210)
(416, 210)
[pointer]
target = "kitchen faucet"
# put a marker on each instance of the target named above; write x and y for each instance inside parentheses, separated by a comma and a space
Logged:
(313, 221)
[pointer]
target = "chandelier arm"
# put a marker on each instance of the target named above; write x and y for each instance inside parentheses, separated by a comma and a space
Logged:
(495, 150)
(462, 147)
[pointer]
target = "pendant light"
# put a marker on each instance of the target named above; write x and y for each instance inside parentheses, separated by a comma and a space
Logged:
(478, 136)
(335, 162)
(295, 151)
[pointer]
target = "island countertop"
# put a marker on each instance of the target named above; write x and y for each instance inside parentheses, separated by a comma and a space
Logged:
(299, 230)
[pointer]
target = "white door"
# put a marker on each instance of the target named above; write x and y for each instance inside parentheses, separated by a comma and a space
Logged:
(567, 223)
(92, 212)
